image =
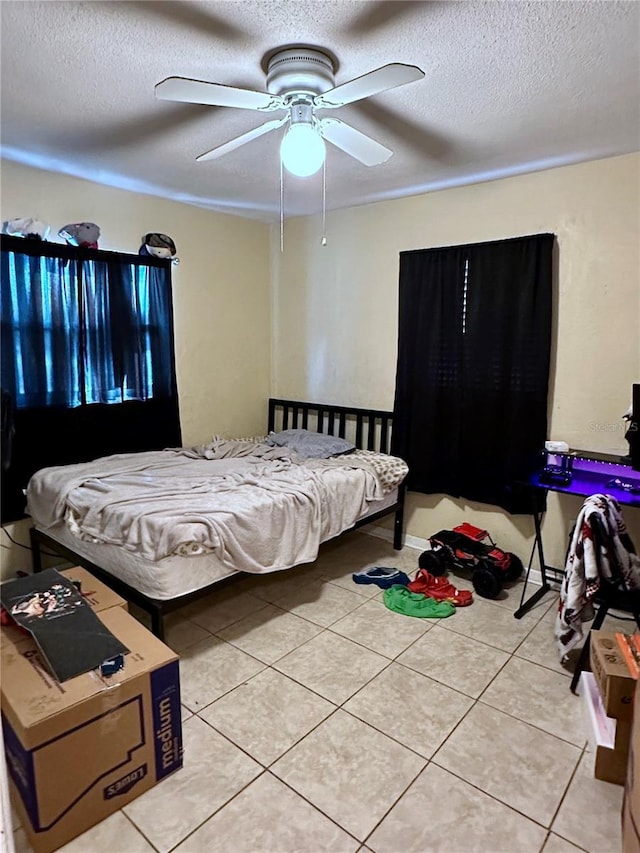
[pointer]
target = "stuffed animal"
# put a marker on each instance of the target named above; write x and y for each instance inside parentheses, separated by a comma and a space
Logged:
(83, 234)
(158, 245)
(31, 228)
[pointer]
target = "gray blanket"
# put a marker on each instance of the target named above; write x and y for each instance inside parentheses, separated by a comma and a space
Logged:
(258, 508)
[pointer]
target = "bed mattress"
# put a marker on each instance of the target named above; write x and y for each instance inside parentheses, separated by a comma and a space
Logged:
(171, 522)
(164, 579)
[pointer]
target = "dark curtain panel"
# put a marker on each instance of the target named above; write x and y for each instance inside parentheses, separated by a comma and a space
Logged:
(429, 369)
(473, 367)
(40, 337)
(88, 364)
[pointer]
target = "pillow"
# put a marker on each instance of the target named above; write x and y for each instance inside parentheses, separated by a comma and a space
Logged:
(311, 445)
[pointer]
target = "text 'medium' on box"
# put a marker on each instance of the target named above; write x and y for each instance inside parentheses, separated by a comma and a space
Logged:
(81, 749)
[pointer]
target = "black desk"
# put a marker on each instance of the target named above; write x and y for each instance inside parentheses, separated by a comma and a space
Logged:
(592, 473)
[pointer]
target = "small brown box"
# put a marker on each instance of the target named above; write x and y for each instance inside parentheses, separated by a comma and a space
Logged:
(615, 681)
(611, 765)
(609, 737)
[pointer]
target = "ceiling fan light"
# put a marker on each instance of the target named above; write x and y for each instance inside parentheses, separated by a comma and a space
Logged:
(302, 150)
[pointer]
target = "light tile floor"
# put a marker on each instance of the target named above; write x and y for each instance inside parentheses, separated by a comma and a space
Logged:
(316, 719)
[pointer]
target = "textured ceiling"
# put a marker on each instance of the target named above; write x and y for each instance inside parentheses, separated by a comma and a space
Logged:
(509, 87)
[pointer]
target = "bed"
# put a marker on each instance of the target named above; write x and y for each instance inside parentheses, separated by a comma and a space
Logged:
(164, 528)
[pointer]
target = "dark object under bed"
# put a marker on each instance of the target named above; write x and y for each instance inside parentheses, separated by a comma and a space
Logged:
(368, 429)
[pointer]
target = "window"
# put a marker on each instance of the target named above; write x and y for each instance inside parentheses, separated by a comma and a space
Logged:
(87, 355)
(77, 331)
(472, 375)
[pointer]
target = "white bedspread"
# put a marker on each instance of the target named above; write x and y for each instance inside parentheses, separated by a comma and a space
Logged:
(258, 508)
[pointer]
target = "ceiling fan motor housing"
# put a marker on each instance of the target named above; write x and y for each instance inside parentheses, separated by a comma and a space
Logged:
(299, 71)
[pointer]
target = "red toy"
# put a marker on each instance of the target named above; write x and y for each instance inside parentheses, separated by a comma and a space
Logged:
(469, 547)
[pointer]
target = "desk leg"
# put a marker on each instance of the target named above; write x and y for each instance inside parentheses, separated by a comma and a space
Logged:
(537, 545)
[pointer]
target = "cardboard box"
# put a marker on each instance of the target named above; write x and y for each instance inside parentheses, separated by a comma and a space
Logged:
(99, 596)
(80, 750)
(631, 799)
(608, 737)
(615, 681)
(611, 765)
(604, 730)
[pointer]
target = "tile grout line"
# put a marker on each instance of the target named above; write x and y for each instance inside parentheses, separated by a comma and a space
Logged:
(475, 702)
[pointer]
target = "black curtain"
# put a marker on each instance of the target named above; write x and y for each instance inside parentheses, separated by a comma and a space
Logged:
(470, 413)
(88, 362)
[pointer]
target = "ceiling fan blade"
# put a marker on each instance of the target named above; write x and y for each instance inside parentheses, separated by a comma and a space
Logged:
(386, 77)
(353, 142)
(215, 94)
(226, 147)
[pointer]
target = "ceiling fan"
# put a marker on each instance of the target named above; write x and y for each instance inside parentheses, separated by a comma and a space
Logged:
(300, 82)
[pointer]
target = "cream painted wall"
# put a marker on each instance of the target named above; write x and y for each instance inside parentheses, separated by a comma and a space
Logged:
(220, 294)
(335, 312)
(334, 308)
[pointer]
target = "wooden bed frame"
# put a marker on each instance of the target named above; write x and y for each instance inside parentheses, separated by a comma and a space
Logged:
(368, 429)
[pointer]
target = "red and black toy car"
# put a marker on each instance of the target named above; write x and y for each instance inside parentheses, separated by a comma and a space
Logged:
(468, 547)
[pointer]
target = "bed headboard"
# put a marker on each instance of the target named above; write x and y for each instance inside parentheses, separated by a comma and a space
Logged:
(368, 429)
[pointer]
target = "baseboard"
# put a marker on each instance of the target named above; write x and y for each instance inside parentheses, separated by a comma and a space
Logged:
(534, 577)
(416, 542)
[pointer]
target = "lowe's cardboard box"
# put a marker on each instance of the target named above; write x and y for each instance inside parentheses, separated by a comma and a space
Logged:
(79, 750)
(99, 596)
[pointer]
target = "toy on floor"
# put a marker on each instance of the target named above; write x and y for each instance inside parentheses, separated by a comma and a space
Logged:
(83, 234)
(468, 547)
(439, 588)
(33, 229)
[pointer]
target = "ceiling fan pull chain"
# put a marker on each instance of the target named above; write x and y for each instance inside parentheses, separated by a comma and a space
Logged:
(281, 208)
(323, 241)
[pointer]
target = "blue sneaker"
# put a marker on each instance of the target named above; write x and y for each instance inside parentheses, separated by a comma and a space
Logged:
(382, 576)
